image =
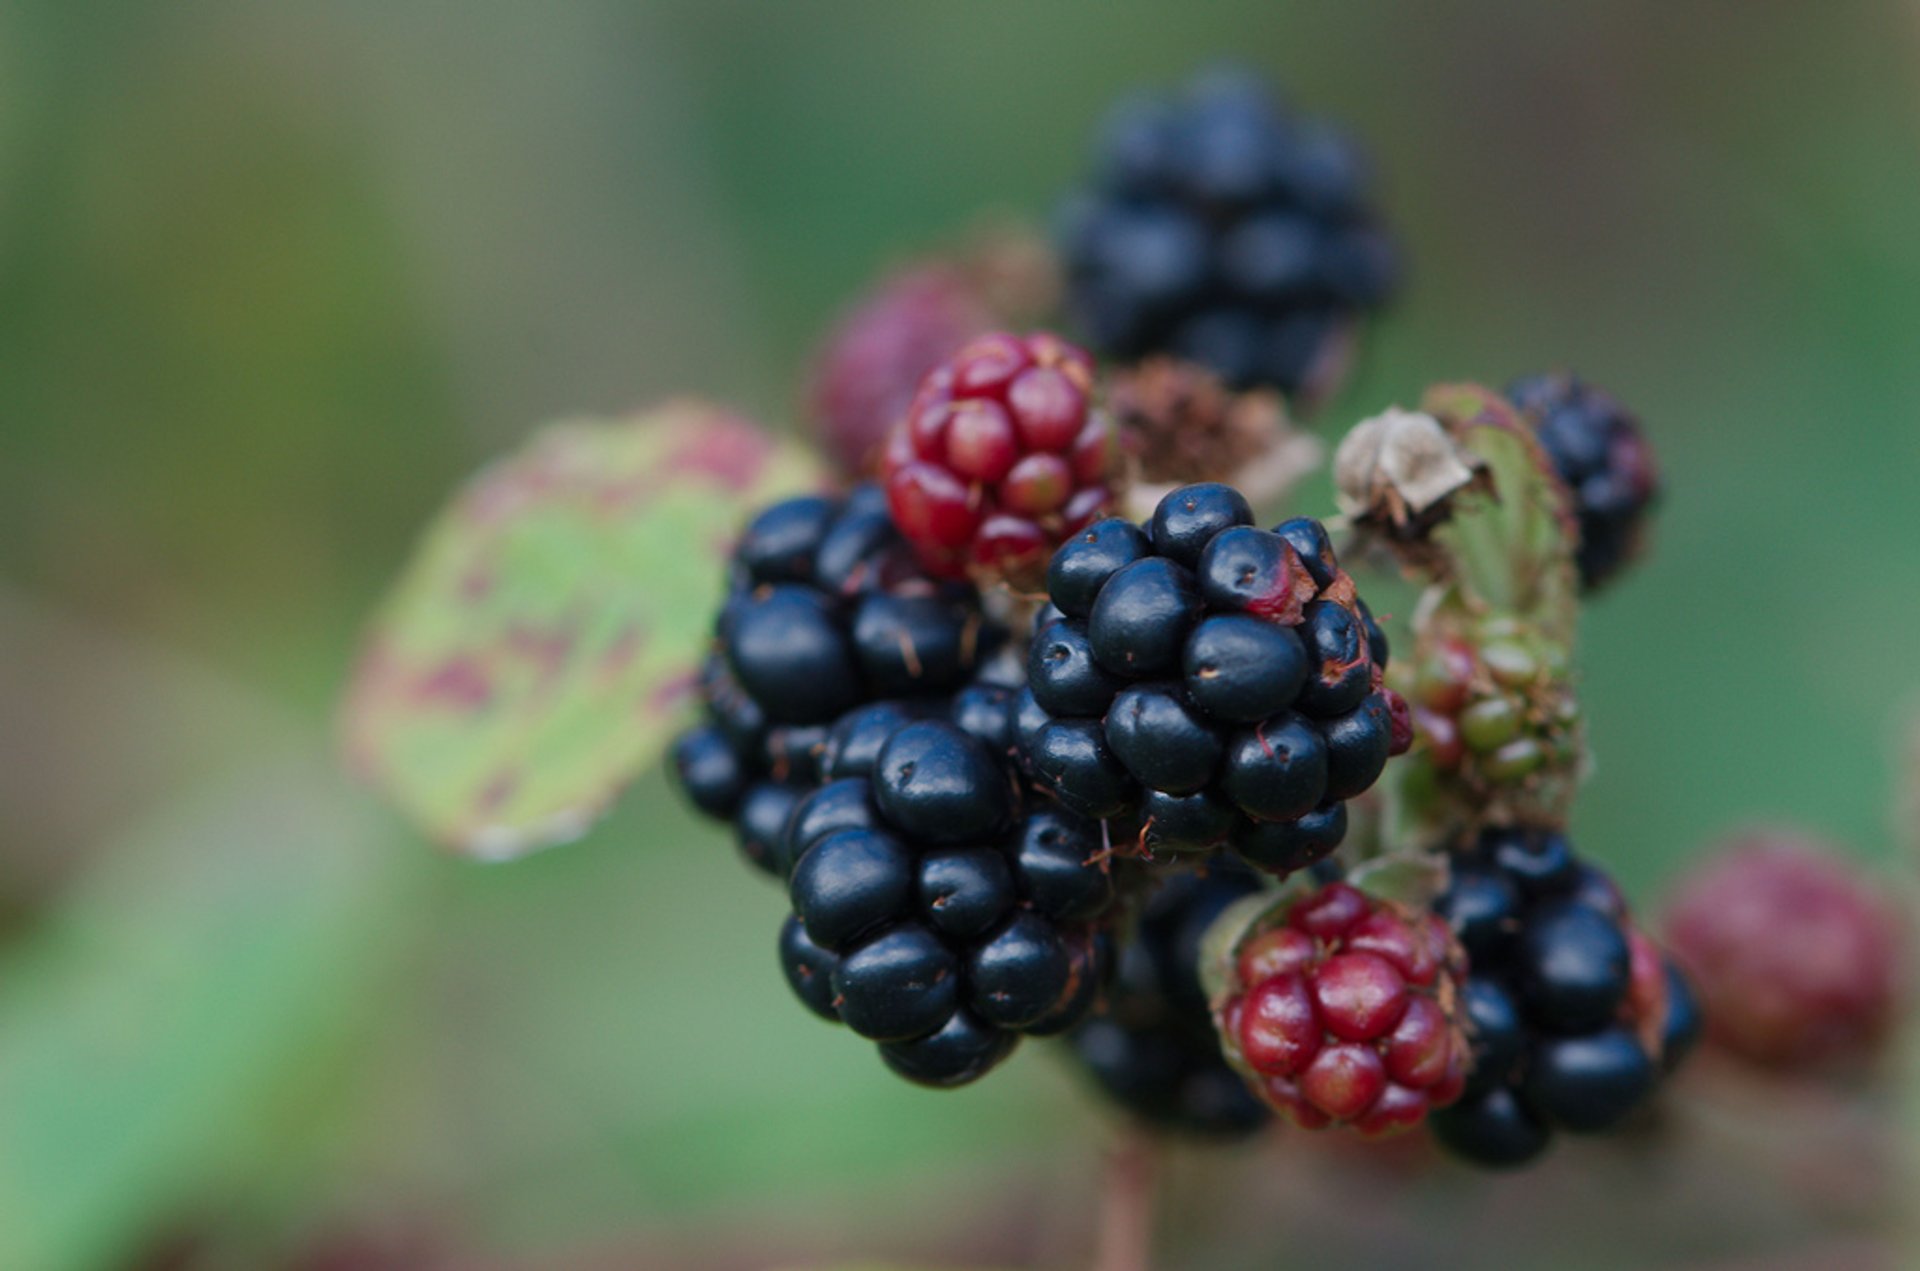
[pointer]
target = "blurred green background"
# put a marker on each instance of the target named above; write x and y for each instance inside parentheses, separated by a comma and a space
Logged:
(273, 278)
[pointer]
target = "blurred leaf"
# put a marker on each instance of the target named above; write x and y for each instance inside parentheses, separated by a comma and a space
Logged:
(148, 1028)
(1413, 879)
(531, 659)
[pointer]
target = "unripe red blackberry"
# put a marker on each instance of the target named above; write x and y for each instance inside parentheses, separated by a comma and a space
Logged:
(1346, 1011)
(872, 364)
(1000, 458)
(1797, 952)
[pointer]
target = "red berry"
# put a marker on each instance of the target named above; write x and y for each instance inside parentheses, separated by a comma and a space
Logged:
(1795, 950)
(1421, 1044)
(1009, 421)
(1038, 484)
(930, 505)
(979, 441)
(985, 366)
(1049, 407)
(1344, 1081)
(1401, 943)
(1344, 1008)
(1360, 996)
(1280, 951)
(1397, 1109)
(1328, 914)
(1278, 1032)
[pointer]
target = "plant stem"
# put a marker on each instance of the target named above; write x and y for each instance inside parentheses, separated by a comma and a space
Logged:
(1127, 1203)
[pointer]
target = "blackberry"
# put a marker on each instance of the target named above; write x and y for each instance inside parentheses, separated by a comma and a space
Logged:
(1798, 952)
(1208, 683)
(1151, 1048)
(1001, 456)
(1604, 460)
(1228, 230)
(1574, 1015)
(1345, 1010)
(944, 919)
(830, 637)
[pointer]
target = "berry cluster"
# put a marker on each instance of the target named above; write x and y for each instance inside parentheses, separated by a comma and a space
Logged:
(1152, 1047)
(1345, 1010)
(1575, 1015)
(1000, 457)
(930, 914)
(1225, 229)
(1493, 711)
(1799, 956)
(1216, 683)
(1597, 449)
(826, 610)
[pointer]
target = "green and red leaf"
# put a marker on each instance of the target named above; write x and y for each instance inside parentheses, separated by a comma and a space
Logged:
(535, 654)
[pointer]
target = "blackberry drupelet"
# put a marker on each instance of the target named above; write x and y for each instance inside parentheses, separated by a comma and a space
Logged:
(1574, 1015)
(1208, 683)
(1151, 1047)
(1601, 455)
(1224, 228)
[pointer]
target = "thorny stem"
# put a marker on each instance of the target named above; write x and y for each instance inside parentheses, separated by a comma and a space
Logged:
(1127, 1203)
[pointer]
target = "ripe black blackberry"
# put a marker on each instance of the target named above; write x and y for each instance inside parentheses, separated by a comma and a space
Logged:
(1210, 683)
(826, 612)
(1151, 1046)
(1597, 447)
(1575, 1015)
(933, 913)
(1223, 228)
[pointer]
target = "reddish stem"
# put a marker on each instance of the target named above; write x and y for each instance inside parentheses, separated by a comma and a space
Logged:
(1127, 1204)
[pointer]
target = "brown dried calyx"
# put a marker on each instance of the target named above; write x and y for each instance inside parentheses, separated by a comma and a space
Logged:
(1398, 471)
(1180, 424)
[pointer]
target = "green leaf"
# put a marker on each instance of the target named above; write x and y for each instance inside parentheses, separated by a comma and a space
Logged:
(534, 655)
(154, 1024)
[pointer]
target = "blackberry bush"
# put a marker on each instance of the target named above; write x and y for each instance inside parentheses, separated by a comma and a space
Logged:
(1221, 227)
(1209, 682)
(1575, 1016)
(1598, 450)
